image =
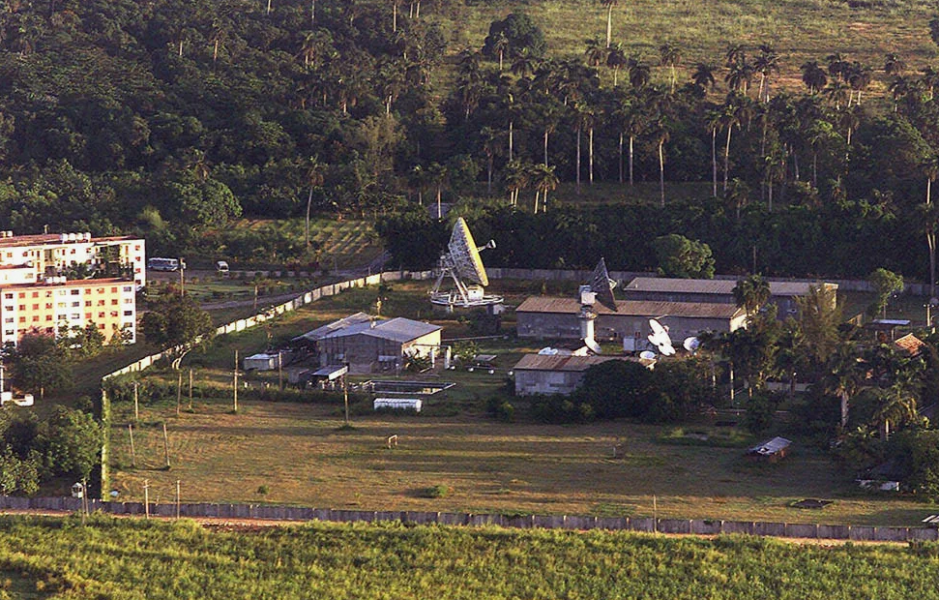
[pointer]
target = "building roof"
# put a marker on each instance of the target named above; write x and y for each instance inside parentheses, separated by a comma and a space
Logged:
(770, 447)
(41, 283)
(910, 344)
(543, 362)
(714, 286)
(399, 329)
(635, 308)
(54, 238)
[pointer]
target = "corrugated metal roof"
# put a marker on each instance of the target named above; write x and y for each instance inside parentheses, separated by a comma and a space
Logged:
(542, 362)
(910, 344)
(771, 447)
(398, 330)
(635, 308)
(714, 286)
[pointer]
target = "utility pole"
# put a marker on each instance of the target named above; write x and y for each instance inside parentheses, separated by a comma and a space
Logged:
(190, 389)
(280, 370)
(235, 383)
(146, 497)
(345, 392)
(179, 390)
(166, 446)
(133, 454)
(136, 405)
(177, 499)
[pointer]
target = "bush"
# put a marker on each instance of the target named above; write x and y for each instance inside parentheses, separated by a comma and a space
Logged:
(437, 491)
(500, 409)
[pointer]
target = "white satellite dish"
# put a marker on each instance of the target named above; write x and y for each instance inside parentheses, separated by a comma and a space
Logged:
(593, 345)
(549, 351)
(463, 264)
(691, 344)
(647, 355)
(659, 338)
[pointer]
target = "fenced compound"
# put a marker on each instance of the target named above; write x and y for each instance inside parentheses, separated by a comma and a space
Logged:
(580, 523)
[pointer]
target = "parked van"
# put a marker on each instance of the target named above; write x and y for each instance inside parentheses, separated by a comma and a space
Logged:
(221, 267)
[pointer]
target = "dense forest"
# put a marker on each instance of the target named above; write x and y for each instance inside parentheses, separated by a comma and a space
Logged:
(172, 118)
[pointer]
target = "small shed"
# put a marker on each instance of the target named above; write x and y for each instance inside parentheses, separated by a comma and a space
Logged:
(260, 362)
(771, 450)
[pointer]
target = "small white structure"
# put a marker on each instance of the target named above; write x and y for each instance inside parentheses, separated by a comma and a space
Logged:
(397, 404)
(260, 362)
(78, 490)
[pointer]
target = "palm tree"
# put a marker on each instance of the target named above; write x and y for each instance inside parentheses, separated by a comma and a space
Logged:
(739, 76)
(838, 66)
(616, 59)
(639, 72)
(525, 64)
(766, 64)
(859, 78)
(515, 177)
(813, 76)
(738, 193)
(490, 140)
(730, 118)
(595, 53)
(894, 65)
(544, 180)
(714, 120)
(609, 20)
(418, 178)
(897, 405)
(634, 123)
(703, 76)
(842, 377)
(751, 292)
(438, 175)
(501, 45)
(315, 175)
(930, 168)
(734, 54)
(670, 56)
(660, 136)
(837, 93)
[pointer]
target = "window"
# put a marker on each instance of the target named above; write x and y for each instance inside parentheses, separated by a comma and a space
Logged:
(128, 288)
(22, 307)
(75, 316)
(76, 304)
(100, 302)
(22, 319)
(35, 318)
(114, 302)
(87, 316)
(8, 296)
(113, 290)
(35, 307)
(113, 313)
(35, 294)
(22, 294)
(128, 300)
(48, 317)
(100, 315)
(48, 293)
(9, 332)
(87, 302)
(127, 313)
(76, 292)
(9, 308)
(8, 320)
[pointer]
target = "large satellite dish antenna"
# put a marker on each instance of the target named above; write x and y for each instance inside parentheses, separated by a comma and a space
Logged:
(659, 338)
(598, 289)
(463, 264)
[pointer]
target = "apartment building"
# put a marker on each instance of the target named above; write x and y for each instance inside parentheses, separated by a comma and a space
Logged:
(52, 282)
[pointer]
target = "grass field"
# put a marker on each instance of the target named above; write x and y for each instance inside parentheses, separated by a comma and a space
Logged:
(799, 30)
(133, 559)
(301, 455)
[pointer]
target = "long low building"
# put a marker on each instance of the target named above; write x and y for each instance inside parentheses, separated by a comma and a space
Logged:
(559, 318)
(368, 344)
(555, 374)
(666, 289)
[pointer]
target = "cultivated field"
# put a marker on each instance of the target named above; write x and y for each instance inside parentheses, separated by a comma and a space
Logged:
(120, 559)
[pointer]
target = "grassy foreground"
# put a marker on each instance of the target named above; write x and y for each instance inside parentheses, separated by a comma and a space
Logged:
(137, 559)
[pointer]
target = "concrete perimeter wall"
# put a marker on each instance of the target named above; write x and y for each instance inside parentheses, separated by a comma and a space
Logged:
(637, 524)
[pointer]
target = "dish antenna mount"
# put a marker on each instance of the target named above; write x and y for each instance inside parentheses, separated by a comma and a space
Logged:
(463, 265)
(599, 289)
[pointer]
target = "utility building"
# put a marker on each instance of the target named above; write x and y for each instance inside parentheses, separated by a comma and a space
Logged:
(370, 344)
(559, 318)
(665, 289)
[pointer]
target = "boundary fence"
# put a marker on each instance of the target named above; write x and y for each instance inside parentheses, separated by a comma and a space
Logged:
(864, 533)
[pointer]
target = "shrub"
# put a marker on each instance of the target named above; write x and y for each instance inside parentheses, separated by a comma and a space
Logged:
(437, 491)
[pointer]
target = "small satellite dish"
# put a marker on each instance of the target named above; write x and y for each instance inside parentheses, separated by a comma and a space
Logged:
(593, 345)
(691, 344)
(659, 338)
(549, 351)
(647, 355)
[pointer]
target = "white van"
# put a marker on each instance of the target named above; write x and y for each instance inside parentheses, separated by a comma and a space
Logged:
(221, 267)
